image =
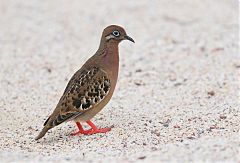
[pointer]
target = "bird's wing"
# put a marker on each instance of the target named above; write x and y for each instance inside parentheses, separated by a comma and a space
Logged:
(85, 90)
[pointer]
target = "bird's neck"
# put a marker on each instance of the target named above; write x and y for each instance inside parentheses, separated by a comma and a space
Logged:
(109, 56)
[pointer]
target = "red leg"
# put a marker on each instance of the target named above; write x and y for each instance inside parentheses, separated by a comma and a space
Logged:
(95, 130)
(80, 130)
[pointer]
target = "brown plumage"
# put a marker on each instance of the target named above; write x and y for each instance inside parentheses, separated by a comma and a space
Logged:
(91, 87)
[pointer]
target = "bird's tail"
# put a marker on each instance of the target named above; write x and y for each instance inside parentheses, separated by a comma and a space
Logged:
(43, 132)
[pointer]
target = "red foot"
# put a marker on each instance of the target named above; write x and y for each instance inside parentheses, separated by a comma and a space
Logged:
(93, 129)
(81, 132)
(102, 130)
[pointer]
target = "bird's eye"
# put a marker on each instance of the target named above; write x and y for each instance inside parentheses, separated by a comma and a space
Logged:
(116, 33)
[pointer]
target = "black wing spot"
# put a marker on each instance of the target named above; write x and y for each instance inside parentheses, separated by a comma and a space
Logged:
(72, 89)
(106, 88)
(92, 94)
(77, 103)
(86, 105)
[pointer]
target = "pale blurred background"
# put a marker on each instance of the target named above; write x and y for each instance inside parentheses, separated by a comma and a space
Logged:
(177, 97)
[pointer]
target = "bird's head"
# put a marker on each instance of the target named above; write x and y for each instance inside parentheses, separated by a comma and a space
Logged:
(115, 34)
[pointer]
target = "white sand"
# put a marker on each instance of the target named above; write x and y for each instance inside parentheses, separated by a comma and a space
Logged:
(162, 109)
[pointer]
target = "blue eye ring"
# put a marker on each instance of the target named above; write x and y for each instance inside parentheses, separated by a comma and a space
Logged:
(116, 33)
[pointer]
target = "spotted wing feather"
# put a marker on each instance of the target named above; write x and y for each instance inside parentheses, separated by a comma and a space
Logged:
(84, 91)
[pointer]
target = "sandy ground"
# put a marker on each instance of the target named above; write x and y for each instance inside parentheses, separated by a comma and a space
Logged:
(177, 97)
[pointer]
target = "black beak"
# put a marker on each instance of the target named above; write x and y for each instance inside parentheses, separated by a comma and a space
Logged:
(129, 38)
